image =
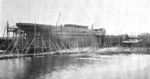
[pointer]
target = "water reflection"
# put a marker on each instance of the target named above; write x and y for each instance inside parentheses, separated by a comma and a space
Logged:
(40, 66)
(77, 67)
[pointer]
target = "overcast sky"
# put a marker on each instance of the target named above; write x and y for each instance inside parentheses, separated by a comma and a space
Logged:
(116, 16)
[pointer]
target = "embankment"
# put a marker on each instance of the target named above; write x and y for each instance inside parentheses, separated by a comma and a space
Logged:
(87, 50)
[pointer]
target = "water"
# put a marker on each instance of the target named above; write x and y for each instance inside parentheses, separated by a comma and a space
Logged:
(93, 66)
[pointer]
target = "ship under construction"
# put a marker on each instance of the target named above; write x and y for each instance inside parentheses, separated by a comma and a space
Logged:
(37, 38)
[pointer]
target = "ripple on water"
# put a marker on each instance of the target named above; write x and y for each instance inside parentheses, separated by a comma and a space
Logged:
(131, 66)
(117, 67)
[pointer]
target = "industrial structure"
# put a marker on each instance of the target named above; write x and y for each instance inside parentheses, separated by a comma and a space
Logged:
(37, 38)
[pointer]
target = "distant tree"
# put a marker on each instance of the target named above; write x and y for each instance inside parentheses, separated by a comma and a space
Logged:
(125, 37)
(145, 39)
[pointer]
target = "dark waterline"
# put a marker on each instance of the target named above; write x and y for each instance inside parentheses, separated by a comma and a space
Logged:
(65, 67)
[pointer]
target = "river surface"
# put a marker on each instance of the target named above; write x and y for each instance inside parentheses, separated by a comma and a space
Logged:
(92, 66)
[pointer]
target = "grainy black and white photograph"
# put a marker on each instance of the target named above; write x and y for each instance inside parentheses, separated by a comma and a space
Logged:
(74, 39)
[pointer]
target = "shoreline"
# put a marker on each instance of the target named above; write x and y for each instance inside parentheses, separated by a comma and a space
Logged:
(99, 51)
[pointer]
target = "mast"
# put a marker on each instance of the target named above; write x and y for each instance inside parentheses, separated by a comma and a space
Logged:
(58, 19)
(7, 26)
(56, 31)
(35, 39)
